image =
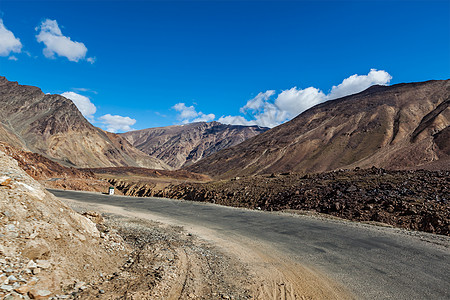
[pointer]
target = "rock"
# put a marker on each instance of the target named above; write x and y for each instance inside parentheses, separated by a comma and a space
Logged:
(5, 181)
(35, 249)
(36, 271)
(12, 296)
(79, 285)
(32, 265)
(6, 287)
(94, 217)
(352, 189)
(40, 294)
(23, 289)
(43, 264)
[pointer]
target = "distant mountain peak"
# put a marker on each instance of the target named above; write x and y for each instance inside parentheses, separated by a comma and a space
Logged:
(182, 145)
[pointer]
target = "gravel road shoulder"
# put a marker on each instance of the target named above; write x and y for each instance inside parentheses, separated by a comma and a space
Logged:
(171, 262)
(165, 262)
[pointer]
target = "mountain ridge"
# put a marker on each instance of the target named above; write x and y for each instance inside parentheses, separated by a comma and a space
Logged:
(182, 145)
(51, 125)
(370, 128)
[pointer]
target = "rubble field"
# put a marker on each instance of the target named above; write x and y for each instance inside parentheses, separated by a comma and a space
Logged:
(415, 199)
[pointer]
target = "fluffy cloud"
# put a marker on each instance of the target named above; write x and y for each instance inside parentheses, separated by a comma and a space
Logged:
(264, 111)
(236, 120)
(188, 114)
(204, 118)
(294, 101)
(83, 103)
(261, 109)
(56, 43)
(8, 42)
(185, 112)
(115, 123)
(112, 123)
(257, 103)
(358, 83)
(269, 109)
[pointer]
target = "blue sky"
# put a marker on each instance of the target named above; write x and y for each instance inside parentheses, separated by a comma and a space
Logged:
(160, 63)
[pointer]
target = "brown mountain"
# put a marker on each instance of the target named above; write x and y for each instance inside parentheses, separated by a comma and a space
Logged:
(183, 145)
(52, 125)
(397, 127)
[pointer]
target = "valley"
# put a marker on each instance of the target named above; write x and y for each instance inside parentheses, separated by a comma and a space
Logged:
(349, 200)
(224, 150)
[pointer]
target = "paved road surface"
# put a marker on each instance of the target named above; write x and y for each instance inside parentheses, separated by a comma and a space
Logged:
(373, 262)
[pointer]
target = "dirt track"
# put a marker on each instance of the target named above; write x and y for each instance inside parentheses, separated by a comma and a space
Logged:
(170, 263)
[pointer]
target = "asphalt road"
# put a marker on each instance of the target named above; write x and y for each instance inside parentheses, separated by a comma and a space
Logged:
(373, 262)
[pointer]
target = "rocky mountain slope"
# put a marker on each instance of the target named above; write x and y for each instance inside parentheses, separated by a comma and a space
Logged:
(397, 127)
(183, 145)
(46, 249)
(51, 125)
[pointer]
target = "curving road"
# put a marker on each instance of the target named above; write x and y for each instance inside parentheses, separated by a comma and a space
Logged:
(373, 262)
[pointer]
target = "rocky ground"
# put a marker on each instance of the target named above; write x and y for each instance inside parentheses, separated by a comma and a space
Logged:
(416, 200)
(167, 263)
(132, 179)
(47, 250)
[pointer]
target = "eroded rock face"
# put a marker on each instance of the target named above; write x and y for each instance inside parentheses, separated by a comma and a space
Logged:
(51, 125)
(396, 127)
(183, 145)
(45, 246)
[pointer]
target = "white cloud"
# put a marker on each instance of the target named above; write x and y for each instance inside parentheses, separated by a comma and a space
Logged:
(358, 83)
(115, 123)
(268, 109)
(236, 120)
(188, 114)
(266, 112)
(91, 59)
(8, 42)
(83, 103)
(294, 101)
(258, 102)
(56, 43)
(12, 57)
(204, 118)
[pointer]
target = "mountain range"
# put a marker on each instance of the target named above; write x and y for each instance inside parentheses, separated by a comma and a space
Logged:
(397, 127)
(402, 126)
(52, 126)
(182, 145)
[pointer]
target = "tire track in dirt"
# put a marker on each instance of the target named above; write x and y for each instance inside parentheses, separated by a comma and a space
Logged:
(274, 275)
(180, 282)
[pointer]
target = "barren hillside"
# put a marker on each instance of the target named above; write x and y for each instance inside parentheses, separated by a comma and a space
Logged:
(396, 127)
(52, 125)
(46, 248)
(183, 145)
